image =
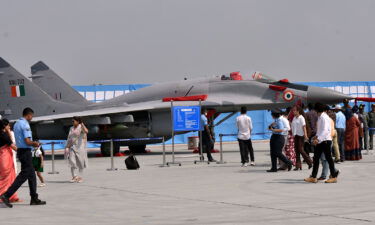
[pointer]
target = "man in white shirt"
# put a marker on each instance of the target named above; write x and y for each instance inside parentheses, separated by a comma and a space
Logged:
(245, 127)
(323, 142)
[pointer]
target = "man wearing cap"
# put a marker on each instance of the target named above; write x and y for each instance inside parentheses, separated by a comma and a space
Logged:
(371, 125)
(340, 128)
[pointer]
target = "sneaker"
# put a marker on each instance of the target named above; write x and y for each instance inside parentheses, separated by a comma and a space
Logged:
(243, 165)
(331, 180)
(252, 163)
(42, 185)
(79, 180)
(311, 180)
(272, 171)
(37, 202)
(246, 164)
(6, 201)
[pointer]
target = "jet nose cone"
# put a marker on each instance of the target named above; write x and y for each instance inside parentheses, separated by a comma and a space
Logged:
(325, 95)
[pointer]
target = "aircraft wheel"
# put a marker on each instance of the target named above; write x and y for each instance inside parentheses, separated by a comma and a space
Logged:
(105, 148)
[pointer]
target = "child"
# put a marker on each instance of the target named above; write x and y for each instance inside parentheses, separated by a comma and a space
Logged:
(38, 163)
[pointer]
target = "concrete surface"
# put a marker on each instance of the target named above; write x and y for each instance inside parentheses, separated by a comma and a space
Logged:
(199, 194)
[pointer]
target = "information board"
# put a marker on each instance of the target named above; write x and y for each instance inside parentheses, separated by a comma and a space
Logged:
(186, 118)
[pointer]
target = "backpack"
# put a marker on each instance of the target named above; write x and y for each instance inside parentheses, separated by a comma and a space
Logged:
(131, 163)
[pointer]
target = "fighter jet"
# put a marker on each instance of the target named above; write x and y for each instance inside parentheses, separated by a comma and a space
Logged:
(146, 112)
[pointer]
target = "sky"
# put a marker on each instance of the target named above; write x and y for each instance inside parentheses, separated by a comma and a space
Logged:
(147, 41)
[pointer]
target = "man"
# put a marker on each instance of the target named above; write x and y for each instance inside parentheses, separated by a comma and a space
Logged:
(371, 125)
(24, 143)
(207, 139)
(277, 142)
(340, 129)
(311, 119)
(323, 142)
(362, 116)
(335, 146)
(245, 126)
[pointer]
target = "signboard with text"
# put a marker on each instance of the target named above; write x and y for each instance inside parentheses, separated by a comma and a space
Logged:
(186, 118)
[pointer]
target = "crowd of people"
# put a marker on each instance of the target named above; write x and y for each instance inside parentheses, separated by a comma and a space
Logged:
(31, 156)
(318, 130)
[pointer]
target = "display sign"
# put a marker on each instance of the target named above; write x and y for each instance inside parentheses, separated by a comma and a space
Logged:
(186, 118)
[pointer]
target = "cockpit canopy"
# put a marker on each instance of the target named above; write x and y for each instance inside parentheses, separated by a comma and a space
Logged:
(232, 76)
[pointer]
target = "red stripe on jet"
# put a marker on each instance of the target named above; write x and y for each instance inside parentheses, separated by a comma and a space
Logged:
(277, 88)
(365, 99)
(186, 98)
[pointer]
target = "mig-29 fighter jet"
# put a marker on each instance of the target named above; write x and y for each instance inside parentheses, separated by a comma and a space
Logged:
(145, 112)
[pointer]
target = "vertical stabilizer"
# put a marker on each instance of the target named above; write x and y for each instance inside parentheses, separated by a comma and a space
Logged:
(18, 92)
(54, 85)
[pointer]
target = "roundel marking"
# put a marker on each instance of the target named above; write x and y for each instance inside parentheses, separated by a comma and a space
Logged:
(288, 96)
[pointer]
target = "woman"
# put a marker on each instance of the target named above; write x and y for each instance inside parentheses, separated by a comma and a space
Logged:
(288, 148)
(7, 172)
(300, 136)
(352, 148)
(76, 149)
(277, 142)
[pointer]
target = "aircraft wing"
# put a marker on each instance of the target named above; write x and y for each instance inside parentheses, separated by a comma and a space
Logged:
(105, 111)
(143, 106)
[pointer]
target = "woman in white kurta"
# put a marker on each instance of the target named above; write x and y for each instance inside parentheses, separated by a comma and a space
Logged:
(76, 149)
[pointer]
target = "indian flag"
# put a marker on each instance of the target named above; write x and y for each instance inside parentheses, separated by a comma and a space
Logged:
(18, 91)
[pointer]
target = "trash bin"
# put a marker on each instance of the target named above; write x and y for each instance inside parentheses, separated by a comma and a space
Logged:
(193, 142)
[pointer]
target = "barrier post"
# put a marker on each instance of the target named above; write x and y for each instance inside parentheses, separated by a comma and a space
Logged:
(221, 150)
(112, 159)
(173, 155)
(164, 158)
(53, 159)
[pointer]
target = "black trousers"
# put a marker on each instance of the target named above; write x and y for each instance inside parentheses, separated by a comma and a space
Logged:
(207, 145)
(246, 147)
(27, 173)
(341, 142)
(323, 148)
(277, 144)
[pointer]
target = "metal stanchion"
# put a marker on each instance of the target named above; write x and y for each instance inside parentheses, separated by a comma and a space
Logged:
(112, 159)
(221, 150)
(164, 158)
(53, 159)
(173, 156)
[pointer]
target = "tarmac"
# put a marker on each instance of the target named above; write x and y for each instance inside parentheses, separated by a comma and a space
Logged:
(198, 193)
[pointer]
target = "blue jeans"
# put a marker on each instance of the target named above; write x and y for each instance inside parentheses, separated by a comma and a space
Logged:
(324, 165)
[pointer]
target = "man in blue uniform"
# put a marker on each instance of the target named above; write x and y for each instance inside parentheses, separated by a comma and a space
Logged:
(207, 139)
(24, 142)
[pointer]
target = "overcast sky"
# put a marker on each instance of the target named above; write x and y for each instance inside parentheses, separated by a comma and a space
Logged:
(119, 41)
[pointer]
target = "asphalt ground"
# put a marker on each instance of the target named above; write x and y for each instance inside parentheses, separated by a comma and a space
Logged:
(198, 193)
